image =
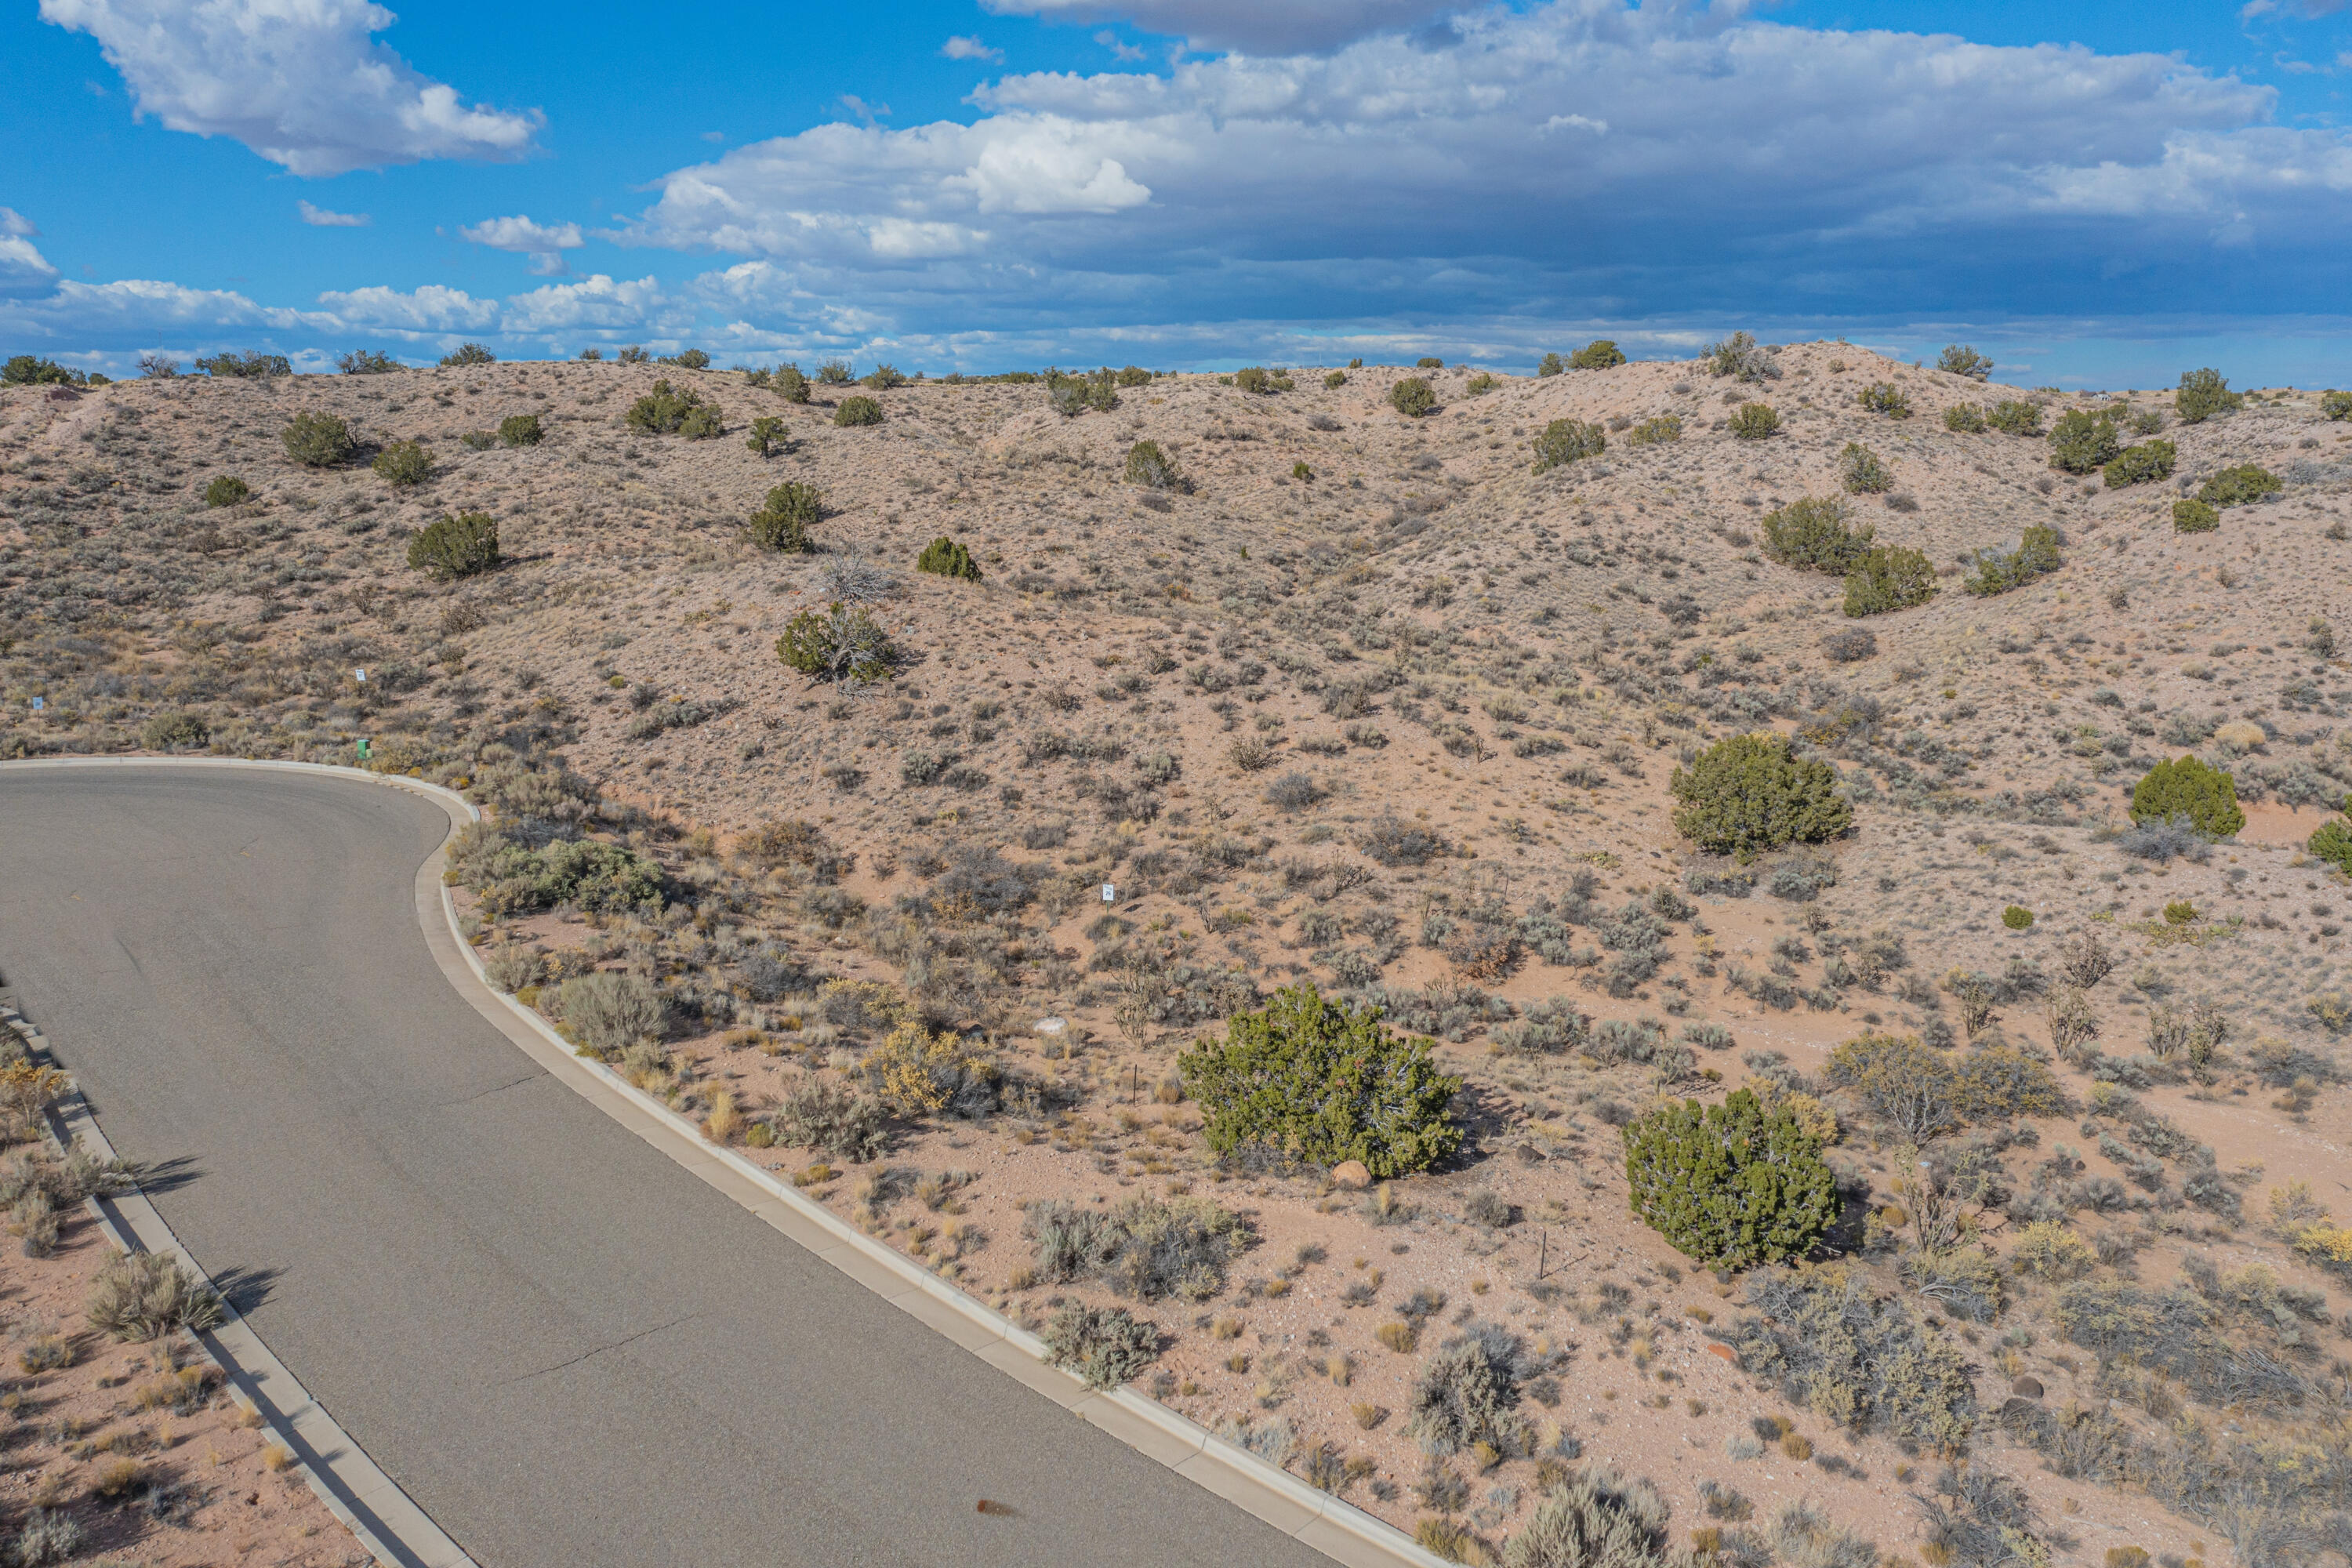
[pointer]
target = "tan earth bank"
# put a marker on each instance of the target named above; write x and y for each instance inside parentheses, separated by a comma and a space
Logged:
(1372, 703)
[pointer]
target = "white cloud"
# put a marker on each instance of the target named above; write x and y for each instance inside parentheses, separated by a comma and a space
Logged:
(430, 308)
(1119, 50)
(1250, 24)
(597, 302)
(520, 235)
(544, 243)
(963, 48)
(1580, 154)
(24, 270)
(301, 82)
(320, 217)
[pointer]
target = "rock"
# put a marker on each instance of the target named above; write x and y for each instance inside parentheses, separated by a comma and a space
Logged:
(1726, 1352)
(1351, 1175)
(2027, 1388)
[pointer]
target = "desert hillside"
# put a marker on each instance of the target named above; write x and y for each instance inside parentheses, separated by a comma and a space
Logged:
(1387, 704)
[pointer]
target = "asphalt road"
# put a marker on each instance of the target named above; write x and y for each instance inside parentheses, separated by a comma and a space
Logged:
(564, 1346)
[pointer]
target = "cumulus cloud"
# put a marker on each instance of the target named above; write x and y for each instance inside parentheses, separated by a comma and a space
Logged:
(1292, 27)
(963, 48)
(543, 243)
(430, 308)
(320, 217)
(1579, 155)
(301, 82)
(24, 270)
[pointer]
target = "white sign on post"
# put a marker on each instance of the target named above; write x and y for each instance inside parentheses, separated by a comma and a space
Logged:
(1110, 894)
(360, 674)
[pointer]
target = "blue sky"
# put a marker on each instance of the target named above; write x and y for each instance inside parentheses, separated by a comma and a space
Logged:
(2098, 193)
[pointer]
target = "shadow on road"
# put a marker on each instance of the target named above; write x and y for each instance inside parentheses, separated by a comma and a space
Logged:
(246, 1288)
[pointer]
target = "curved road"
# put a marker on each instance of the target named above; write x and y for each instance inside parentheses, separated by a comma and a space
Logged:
(568, 1349)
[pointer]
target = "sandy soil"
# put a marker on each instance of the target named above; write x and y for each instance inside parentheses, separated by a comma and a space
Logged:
(150, 1474)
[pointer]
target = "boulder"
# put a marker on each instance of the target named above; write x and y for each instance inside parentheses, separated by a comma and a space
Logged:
(1351, 1175)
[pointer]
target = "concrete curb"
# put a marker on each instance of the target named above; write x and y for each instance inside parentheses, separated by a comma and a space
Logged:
(384, 1520)
(1336, 1528)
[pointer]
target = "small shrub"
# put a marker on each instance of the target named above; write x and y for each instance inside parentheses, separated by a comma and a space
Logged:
(454, 547)
(1468, 1394)
(607, 1012)
(1729, 1185)
(2081, 441)
(319, 440)
(817, 1114)
(1888, 577)
(520, 430)
(1323, 1082)
(1565, 441)
(1849, 644)
(1958, 359)
(943, 557)
(467, 355)
(840, 643)
(1105, 1345)
(1752, 793)
(2335, 405)
(1601, 353)
(1411, 397)
(1754, 421)
(855, 411)
(1429, 362)
(1293, 791)
(253, 366)
(1993, 572)
(2207, 797)
(2202, 394)
(2240, 486)
(662, 411)
(1965, 419)
(768, 436)
(2052, 1250)
(2333, 844)
(788, 381)
(1393, 841)
(1664, 430)
(403, 463)
(1812, 535)
(2017, 917)
(1862, 1361)
(1263, 383)
(1150, 467)
(226, 490)
(1884, 397)
(703, 422)
(1862, 472)
(2144, 463)
(1145, 1248)
(48, 1536)
(883, 377)
(787, 520)
(1334, 379)
(175, 732)
(2015, 416)
(2193, 516)
(146, 1295)
(1741, 357)
(1551, 364)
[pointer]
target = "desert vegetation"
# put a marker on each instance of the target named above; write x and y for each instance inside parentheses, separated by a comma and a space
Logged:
(1487, 936)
